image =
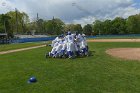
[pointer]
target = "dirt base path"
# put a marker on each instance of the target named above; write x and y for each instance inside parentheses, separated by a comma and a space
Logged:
(125, 53)
(114, 40)
(22, 49)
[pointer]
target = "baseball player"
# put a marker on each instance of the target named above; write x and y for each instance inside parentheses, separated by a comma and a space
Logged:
(70, 44)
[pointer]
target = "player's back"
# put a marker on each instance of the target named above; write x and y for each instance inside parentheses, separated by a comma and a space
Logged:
(70, 38)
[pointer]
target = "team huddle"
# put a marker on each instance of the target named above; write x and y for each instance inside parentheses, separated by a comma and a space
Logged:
(69, 46)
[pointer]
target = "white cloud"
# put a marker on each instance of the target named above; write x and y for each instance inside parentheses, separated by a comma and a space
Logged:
(5, 6)
(84, 20)
(73, 11)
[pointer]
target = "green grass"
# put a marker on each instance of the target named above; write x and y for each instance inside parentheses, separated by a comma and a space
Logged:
(100, 73)
(6, 47)
(117, 37)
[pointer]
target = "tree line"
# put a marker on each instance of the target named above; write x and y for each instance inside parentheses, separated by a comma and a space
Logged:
(16, 22)
(118, 26)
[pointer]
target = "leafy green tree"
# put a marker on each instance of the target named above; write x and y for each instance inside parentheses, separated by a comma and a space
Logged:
(70, 27)
(58, 26)
(40, 27)
(97, 27)
(78, 28)
(5, 25)
(118, 26)
(106, 27)
(87, 29)
(133, 24)
(22, 21)
(73, 28)
(1, 24)
(31, 27)
(54, 26)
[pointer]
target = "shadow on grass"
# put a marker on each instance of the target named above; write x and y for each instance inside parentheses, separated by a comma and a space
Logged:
(90, 53)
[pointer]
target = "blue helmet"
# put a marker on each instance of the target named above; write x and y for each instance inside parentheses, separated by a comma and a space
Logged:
(69, 33)
(32, 80)
(62, 35)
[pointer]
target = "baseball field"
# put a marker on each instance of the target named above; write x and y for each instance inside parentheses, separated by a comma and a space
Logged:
(104, 72)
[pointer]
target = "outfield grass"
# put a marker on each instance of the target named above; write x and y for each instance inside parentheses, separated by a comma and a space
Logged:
(6, 47)
(100, 73)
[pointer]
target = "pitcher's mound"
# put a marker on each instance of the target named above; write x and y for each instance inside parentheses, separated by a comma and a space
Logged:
(125, 53)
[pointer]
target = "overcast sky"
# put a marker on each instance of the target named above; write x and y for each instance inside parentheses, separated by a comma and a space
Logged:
(74, 11)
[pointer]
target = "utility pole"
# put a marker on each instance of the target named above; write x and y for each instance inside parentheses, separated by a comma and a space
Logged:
(16, 20)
